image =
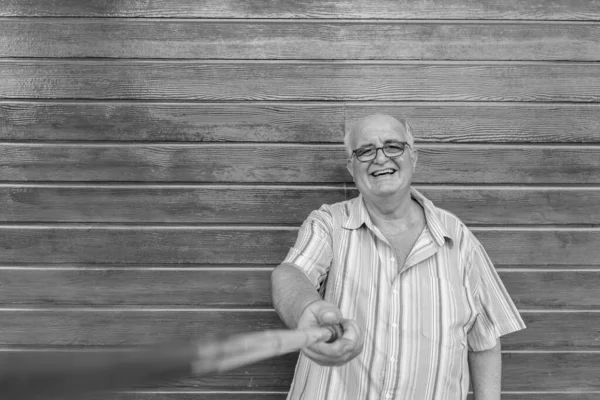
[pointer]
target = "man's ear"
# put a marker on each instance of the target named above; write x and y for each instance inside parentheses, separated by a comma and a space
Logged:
(349, 167)
(414, 155)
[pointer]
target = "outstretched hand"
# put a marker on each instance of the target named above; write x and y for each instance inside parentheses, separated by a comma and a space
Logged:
(341, 351)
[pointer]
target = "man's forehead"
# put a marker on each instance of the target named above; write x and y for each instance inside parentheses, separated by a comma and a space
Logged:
(368, 135)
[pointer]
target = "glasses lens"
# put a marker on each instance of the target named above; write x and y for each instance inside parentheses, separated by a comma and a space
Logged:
(393, 149)
(365, 153)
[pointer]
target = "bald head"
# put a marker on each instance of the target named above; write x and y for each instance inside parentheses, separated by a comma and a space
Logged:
(376, 123)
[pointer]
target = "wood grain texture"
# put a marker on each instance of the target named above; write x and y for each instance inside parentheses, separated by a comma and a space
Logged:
(167, 204)
(490, 123)
(553, 290)
(143, 244)
(169, 285)
(245, 163)
(148, 395)
(539, 372)
(385, 81)
(385, 9)
(295, 121)
(187, 122)
(229, 204)
(551, 331)
(295, 40)
(195, 396)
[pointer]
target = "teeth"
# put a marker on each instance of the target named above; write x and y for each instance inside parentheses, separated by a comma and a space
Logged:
(383, 171)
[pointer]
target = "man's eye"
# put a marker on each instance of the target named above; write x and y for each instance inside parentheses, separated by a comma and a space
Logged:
(394, 148)
(367, 151)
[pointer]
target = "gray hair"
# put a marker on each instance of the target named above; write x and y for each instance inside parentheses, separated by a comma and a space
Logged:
(410, 139)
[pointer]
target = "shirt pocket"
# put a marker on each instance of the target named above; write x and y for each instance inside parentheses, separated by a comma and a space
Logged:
(444, 313)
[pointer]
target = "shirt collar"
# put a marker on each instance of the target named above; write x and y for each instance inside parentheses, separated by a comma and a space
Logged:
(438, 228)
(358, 215)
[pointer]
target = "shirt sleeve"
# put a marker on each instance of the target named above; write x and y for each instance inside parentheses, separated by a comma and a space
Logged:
(312, 253)
(496, 314)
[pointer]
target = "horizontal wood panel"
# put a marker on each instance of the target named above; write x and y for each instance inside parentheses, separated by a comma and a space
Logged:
(438, 9)
(288, 163)
(491, 123)
(240, 395)
(188, 244)
(90, 327)
(553, 290)
(148, 395)
(295, 122)
(280, 205)
(194, 80)
(55, 327)
(136, 287)
(207, 205)
(521, 372)
(172, 286)
(298, 40)
(241, 122)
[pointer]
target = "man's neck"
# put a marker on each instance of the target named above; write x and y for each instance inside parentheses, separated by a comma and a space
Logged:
(397, 209)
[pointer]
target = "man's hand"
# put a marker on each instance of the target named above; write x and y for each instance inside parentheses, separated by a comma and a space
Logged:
(343, 349)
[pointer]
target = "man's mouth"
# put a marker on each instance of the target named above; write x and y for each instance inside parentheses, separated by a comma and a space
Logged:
(381, 172)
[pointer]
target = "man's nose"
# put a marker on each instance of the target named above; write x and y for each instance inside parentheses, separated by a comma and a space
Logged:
(380, 157)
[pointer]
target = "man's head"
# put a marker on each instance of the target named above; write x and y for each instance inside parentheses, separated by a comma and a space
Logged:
(377, 162)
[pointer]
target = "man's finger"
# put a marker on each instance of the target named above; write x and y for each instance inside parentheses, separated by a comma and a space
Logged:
(352, 332)
(329, 316)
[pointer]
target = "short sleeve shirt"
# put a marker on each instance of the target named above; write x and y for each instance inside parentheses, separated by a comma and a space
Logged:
(420, 319)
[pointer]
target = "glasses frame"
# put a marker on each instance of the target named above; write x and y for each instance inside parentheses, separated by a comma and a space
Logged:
(382, 148)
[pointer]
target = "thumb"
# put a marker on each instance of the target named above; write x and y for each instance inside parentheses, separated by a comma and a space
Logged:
(329, 315)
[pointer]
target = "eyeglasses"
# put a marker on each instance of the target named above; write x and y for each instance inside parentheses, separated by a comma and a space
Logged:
(390, 150)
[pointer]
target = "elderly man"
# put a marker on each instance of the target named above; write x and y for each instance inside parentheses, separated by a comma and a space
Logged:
(420, 302)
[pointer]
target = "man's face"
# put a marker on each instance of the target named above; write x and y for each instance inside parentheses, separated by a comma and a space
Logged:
(383, 176)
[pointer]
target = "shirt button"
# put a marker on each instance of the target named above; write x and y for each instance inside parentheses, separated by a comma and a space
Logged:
(393, 259)
(389, 396)
(392, 359)
(394, 325)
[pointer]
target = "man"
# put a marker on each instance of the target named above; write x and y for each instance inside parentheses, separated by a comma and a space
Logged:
(419, 300)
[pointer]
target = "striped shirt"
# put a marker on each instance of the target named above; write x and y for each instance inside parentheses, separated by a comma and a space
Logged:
(419, 319)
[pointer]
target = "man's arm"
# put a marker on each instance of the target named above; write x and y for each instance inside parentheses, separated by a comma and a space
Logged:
(299, 305)
(292, 292)
(486, 369)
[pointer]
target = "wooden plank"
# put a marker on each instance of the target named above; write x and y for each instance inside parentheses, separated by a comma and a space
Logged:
(556, 331)
(490, 122)
(543, 372)
(169, 285)
(187, 122)
(114, 327)
(213, 204)
(539, 372)
(166, 204)
(553, 290)
(148, 395)
(549, 331)
(202, 163)
(293, 39)
(146, 245)
(295, 122)
(383, 81)
(240, 395)
(387, 9)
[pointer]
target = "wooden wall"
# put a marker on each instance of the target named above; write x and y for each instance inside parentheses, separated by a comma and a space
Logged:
(157, 158)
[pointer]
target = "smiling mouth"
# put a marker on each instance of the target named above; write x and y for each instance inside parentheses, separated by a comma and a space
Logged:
(382, 172)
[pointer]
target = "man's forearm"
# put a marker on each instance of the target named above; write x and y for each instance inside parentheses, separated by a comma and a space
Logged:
(486, 371)
(292, 291)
